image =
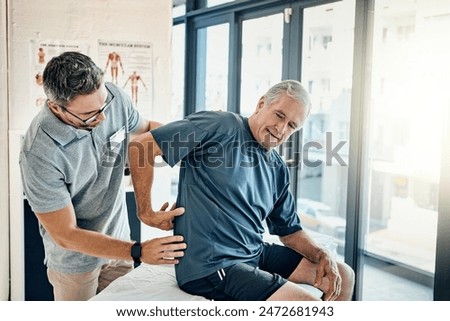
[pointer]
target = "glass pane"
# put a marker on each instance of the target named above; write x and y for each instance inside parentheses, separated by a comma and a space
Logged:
(212, 3)
(178, 8)
(327, 74)
(262, 44)
(409, 99)
(177, 101)
(212, 67)
(177, 98)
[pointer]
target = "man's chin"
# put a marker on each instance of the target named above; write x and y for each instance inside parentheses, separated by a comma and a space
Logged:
(269, 145)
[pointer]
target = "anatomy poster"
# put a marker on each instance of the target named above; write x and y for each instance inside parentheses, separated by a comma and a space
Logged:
(41, 51)
(129, 65)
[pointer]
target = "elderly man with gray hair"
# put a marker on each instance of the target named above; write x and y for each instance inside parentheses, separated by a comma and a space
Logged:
(231, 181)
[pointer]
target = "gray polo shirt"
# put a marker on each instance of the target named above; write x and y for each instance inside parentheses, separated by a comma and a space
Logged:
(61, 165)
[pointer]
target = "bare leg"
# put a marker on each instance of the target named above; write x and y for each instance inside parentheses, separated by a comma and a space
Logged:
(292, 292)
(305, 273)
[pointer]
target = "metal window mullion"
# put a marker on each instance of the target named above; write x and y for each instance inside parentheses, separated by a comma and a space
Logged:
(442, 271)
(190, 72)
(362, 58)
(234, 58)
(292, 69)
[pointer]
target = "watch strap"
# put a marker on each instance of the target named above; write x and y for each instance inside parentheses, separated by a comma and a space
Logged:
(136, 252)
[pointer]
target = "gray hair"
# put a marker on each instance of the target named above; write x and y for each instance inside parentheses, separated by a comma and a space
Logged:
(293, 89)
(69, 75)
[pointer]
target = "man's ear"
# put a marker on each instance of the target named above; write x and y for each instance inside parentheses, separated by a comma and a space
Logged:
(260, 104)
(52, 106)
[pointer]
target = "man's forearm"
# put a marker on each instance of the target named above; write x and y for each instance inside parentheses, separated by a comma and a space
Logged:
(301, 242)
(97, 244)
(142, 153)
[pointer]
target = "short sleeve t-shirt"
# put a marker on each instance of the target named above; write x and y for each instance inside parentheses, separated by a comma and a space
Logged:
(229, 184)
(61, 165)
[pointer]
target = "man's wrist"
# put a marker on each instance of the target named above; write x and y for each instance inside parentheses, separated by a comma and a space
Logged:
(147, 218)
(136, 252)
(321, 253)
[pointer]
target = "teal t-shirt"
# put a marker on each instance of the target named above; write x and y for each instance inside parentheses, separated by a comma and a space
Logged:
(61, 165)
(229, 184)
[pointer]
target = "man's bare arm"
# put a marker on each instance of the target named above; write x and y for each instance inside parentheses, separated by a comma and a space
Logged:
(142, 153)
(63, 229)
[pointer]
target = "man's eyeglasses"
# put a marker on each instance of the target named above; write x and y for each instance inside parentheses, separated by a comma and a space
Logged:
(92, 118)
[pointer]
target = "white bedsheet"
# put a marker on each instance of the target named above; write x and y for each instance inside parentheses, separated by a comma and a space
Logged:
(154, 283)
(146, 283)
(158, 282)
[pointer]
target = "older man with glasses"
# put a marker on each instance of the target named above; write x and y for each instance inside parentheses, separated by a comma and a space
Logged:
(72, 162)
(93, 114)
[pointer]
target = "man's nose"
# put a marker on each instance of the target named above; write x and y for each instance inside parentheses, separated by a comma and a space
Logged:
(281, 127)
(101, 116)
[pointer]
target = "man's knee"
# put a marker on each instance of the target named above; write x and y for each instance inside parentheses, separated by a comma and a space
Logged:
(347, 274)
(348, 281)
(294, 292)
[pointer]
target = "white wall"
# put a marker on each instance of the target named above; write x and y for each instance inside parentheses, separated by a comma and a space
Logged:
(83, 21)
(4, 221)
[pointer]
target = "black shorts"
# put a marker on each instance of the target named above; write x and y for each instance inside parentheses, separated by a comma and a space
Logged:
(256, 280)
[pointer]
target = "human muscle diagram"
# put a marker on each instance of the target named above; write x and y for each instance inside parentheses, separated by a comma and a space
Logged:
(114, 62)
(135, 79)
(130, 65)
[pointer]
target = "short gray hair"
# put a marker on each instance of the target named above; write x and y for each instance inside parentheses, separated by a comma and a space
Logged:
(69, 75)
(293, 89)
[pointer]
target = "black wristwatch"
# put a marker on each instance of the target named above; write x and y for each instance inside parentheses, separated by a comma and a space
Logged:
(136, 252)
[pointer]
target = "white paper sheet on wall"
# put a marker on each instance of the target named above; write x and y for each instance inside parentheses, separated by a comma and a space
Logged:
(41, 51)
(130, 66)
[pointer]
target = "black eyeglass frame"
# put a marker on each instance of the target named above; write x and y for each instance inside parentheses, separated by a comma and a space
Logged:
(101, 110)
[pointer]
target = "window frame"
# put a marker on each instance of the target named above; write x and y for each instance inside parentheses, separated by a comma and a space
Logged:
(198, 15)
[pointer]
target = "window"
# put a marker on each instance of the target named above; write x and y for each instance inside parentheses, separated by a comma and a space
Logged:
(212, 67)
(262, 58)
(404, 145)
(177, 75)
(322, 182)
(178, 8)
(212, 3)
(391, 193)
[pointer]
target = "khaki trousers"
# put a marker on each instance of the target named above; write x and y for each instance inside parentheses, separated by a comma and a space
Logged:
(83, 286)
